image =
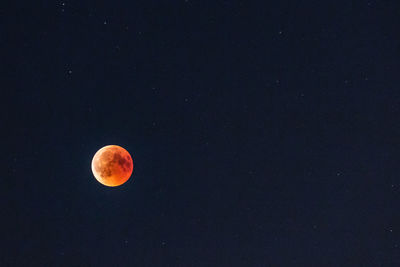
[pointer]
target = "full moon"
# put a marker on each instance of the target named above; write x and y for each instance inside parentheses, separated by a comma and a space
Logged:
(112, 165)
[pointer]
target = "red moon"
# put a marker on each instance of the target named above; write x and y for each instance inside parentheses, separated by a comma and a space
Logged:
(112, 165)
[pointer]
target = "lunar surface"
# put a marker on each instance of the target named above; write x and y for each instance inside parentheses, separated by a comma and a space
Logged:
(112, 165)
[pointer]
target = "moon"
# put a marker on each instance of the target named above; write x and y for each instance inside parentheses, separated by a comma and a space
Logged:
(112, 165)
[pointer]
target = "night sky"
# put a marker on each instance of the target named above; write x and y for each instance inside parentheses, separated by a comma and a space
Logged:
(263, 133)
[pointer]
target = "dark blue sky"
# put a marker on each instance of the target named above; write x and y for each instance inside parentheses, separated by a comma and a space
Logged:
(263, 133)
